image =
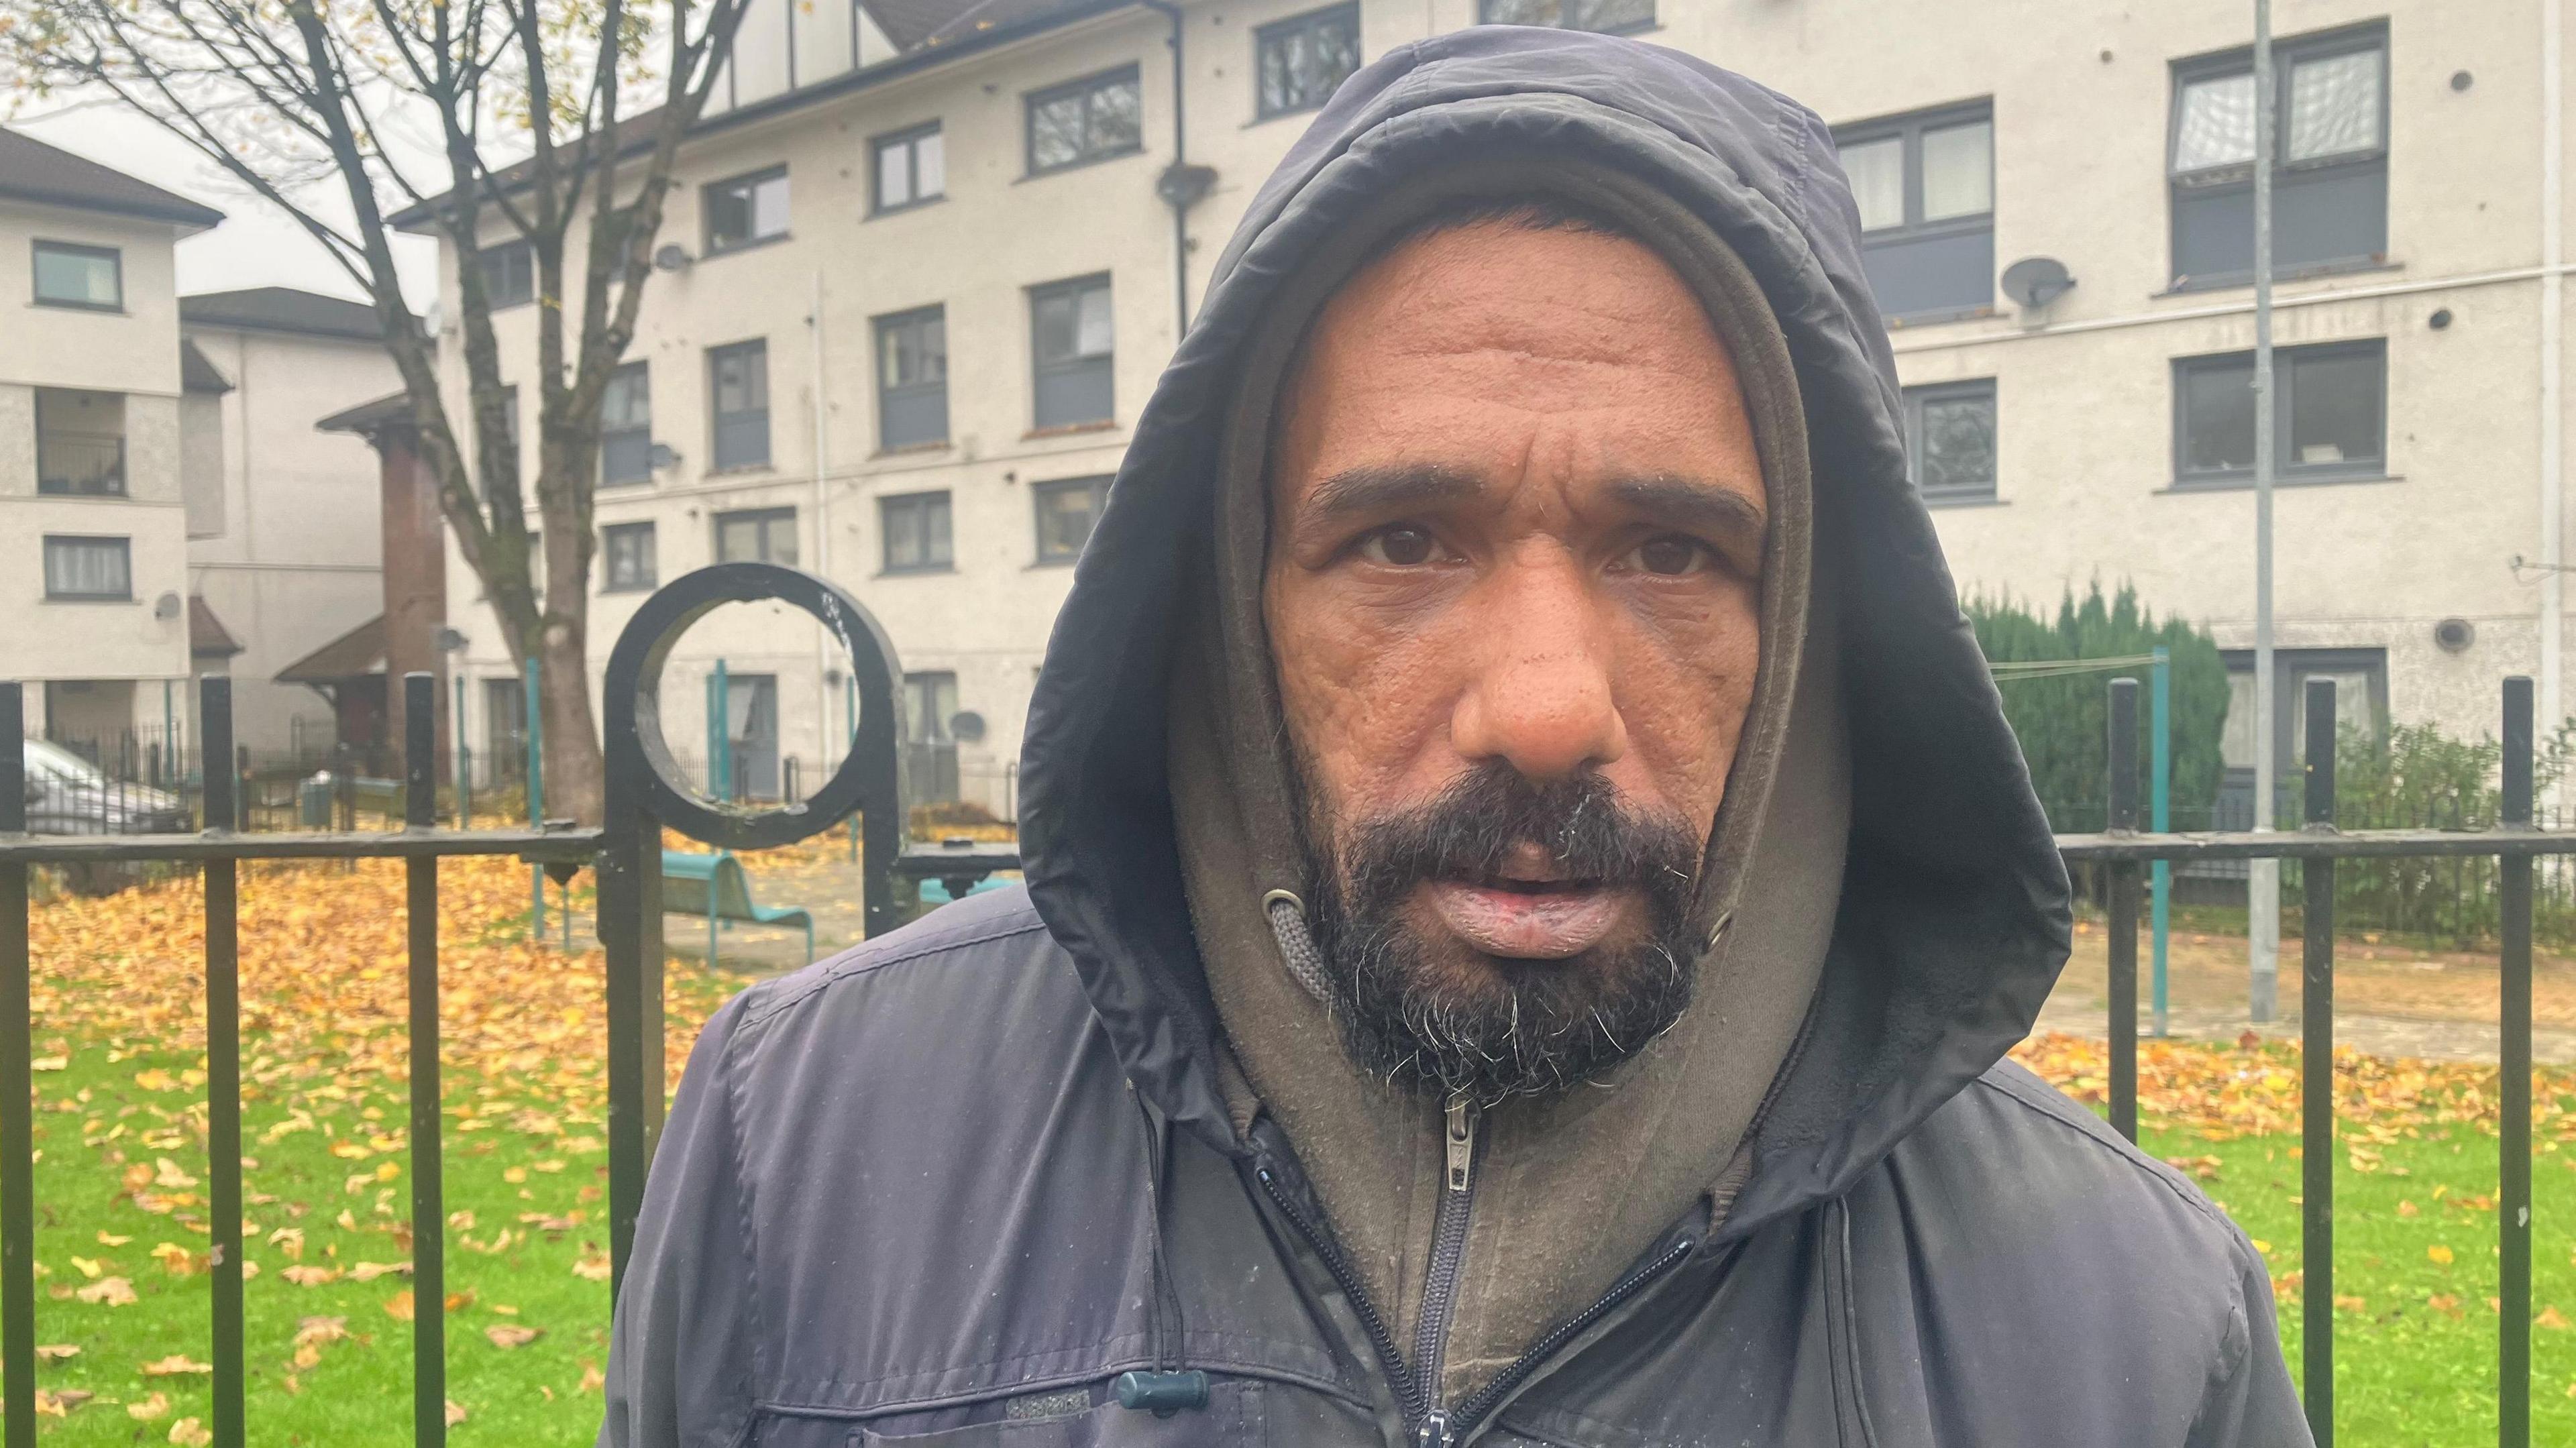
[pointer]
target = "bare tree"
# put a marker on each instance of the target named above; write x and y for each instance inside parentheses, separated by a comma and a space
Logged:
(499, 122)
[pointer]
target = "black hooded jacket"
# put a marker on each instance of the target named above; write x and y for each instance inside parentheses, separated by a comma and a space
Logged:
(946, 1188)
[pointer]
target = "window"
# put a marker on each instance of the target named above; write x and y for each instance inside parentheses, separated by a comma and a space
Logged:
(739, 376)
(1925, 185)
(2331, 423)
(930, 735)
(1071, 337)
(757, 535)
(1066, 511)
(2361, 701)
(1299, 61)
(916, 532)
(626, 427)
(88, 568)
(911, 168)
(505, 730)
(72, 275)
(629, 549)
(912, 379)
(1085, 121)
(1950, 440)
(509, 274)
(80, 442)
(746, 210)
(1610, 17)
(2329, 160)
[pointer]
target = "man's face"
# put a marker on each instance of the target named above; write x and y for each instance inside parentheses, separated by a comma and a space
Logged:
(1512, 592)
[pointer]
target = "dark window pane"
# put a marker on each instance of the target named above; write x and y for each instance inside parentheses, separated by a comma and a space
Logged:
(1055, 132)
(1607, 16)
(88, 568)
(1925, 188)
(626, 427)
(78, 276)
(740, 378)
(1117, 122)
(1069, 396)
(509, 274)
(1302, 61)
(760, 535)
(2218, 416)
(80, 442)
(1102, 116)
(1066, 512)
(746, 209)
(630, 559)
(1072, 330)
(916, 531)
(1958, 448)
(2334, 416)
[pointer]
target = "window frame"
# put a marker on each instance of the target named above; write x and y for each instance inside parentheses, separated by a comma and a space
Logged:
(124, 484)
(1908, 129)
(515, 246)
(1040, 368)
(1130, 73)
(768, 520)
(1283, 28)
(878, 327)
(1097, 484)
(1655, 20)
(909, 138)
(2238, 177)
(1913, 400)
(124, 544)
(708, 246)
(643, 368)
(888, 505)
(716, 463)
(608, 580)
(114, 255)
(2285, 470)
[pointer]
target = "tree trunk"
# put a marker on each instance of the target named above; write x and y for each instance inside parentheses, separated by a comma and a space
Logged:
(575, 773)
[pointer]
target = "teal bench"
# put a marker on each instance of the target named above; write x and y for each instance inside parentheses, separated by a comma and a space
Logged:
(716, 887)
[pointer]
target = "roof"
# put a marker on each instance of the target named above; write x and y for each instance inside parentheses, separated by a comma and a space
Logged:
(355, 654)
(391, 410)
(925, 33)
(282, 309)
(207, 636)
(196, 374)
(30, 170)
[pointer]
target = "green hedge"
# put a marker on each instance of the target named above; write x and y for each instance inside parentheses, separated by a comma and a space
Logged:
(2063, 721)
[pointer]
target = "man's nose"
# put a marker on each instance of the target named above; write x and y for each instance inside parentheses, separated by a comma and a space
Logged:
(1538, 695)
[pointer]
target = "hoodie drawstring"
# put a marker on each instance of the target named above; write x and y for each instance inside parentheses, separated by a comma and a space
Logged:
(1296, 943)
(1170, 1387)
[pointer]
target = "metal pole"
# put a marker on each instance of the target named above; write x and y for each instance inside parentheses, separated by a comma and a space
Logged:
(17, 1110)
(464, 768)
(223, 1070)
(2122, 944)
(2513, 1125)
(2263, 883)
(2160, 723)
(720, 741)
(528, 682)
(2316, 1078)
(428, 1176)
(850, 712)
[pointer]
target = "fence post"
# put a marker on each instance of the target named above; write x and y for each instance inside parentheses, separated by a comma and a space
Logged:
(17, 1110)
(428, 1199)
(2316, 1075)
(2160, 818)
(464, 759)
(2513, 1210)
(529, 680)
(2122, 942)
(223, 1065)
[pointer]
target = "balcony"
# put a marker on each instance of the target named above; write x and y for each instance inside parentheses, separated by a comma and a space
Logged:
(80, 464)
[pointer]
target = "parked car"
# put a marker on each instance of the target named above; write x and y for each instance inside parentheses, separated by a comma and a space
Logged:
(68, 795)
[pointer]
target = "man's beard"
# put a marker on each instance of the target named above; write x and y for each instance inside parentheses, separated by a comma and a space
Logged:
(1439, 1015)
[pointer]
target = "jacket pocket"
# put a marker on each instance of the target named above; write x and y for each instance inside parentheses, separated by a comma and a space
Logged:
(1233, 1418)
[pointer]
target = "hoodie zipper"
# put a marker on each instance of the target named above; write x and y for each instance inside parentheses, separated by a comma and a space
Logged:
(1448, 1262)
(1429, 1425)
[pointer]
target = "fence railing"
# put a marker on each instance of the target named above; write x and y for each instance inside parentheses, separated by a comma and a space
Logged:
(2318, 846)
(646, 792)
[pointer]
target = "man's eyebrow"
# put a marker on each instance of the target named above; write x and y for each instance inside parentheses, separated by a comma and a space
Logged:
(1721, 515)
(1388, 488)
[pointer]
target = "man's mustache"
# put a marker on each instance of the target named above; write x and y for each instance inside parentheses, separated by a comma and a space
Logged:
(1471, 830)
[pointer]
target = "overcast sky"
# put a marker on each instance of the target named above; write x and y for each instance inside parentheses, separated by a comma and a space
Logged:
(257, 245)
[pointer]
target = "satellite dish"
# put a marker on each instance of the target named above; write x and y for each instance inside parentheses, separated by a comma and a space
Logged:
(672, 258)
(966, 727)
(664, 456)
(166, 607)
(450, 640)
(2036, 281)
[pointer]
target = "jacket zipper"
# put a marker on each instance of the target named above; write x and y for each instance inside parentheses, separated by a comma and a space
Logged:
(1448, 1261)
(1431, 1426)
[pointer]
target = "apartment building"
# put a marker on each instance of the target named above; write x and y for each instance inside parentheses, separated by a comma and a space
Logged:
(916, 294)
(285, 546)
(93, 530)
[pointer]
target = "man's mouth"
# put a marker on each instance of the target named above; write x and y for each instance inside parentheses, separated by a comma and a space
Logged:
(1530, 909)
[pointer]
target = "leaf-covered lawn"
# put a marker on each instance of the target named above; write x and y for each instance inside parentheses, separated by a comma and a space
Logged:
(124, 1296)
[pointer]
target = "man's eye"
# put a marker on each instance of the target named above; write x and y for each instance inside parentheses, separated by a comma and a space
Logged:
(1403, 546)
(1670, 556)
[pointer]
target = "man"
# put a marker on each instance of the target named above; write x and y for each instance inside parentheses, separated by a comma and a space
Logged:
(1529, 885)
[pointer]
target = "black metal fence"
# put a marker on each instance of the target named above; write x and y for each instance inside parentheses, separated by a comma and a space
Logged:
(647, 791)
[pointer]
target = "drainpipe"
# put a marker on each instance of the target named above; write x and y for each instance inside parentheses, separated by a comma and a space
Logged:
(1181, 184)
(2553, 576)
(822, 533)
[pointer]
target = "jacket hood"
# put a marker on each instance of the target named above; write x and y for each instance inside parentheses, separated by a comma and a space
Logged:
(1952, 921)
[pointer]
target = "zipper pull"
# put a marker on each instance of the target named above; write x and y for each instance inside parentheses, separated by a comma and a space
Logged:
(1462, 1141)
(1434, 1432)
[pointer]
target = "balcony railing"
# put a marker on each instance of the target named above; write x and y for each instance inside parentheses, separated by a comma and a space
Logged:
(82, 464)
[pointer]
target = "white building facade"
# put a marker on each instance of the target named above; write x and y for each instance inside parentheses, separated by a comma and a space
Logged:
(921, 291)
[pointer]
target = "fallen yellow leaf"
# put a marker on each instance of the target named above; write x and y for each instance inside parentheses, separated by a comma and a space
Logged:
(512, 1335)
(155, 1406)
(175, 1365)
(113, 1291)
(2439, 1253)
(398, 1306)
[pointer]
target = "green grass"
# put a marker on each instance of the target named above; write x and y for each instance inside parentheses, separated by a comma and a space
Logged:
(360, 1389)
(2415, 1339)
